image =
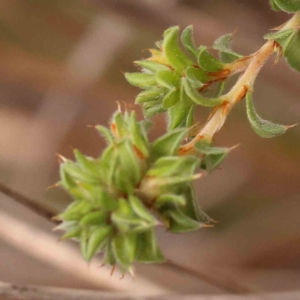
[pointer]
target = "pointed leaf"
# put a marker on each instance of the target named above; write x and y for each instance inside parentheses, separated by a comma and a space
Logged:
(179, 222)
(208, 62)
(274, 6)
(124, 247)
(97, 241)
(288, 5)
(172, 52)
(150, 95)
(292, 52)
(169, 143)
(190, 117)
(151, 65)
(283, 38)
(187, 40)
(141, 80)
(129, 161)
(168, 79)
(147, 250)
(171, 99)
(152, 110)
(197, 77)
(262, 127)
(223, 44)
(198, 98)
(140, 210)
(192, 208)
(105, 133)
(169, 200)
(83, 243)
(94, 218)
(178, 114)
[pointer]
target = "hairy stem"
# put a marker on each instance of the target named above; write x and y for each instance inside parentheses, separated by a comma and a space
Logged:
(252, 66)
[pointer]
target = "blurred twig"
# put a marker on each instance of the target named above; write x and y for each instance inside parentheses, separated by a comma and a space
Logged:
(20, 292)
(31, 204)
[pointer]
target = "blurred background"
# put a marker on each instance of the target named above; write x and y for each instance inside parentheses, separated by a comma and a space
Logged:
(61, 69)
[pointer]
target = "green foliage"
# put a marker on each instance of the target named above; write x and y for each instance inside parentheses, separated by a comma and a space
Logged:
(289, 6)
(212, 157)
(223, 44)
(173, 79)
(120, 197)
(263, 128)
(289, 40)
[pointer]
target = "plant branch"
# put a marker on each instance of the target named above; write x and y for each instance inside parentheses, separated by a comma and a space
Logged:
(244, 84)
(40, 209)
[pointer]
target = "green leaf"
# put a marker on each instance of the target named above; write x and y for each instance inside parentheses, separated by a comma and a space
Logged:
(66, 180)
(292, 52)
(172, 52)
(169, 200)
(72, 234)
(75, 210)
(123, 182)
(151, 66)
(121, 128)
(152, 110)
(283, 38)
(169, 143)
(78, 174)
(150, 95)
(190, 117)
(141, 80)
(178, 114)
(124, 248)
(97, 241)
(87, 164)
(166, 166)
(168, 79)
(109, 255)
(192, 208)
(94, 218)
(208, 62)
(223, 44)
(288, 5)
(262, 127)
(126, 220)
(289, 40)
(213, 155)
(179, 222)
(197, 77)
(188, 40)
(108, 164)
(105, 133)
(140, 210)
(147, 250)
(274, 6)
(198, 98)
(83, 243)
(171, 99)
(139, 137)
(129, 161)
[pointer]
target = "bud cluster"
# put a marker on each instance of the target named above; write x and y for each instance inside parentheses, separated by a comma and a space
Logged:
(175, 81)
(132, 187)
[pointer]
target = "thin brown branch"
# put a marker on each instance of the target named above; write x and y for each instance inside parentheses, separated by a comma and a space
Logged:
(9, 291)
(38, 208)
